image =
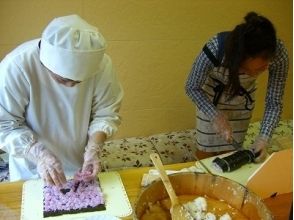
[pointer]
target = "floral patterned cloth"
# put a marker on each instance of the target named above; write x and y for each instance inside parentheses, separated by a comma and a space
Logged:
(126, 153)
(173, 147)
(284, 129)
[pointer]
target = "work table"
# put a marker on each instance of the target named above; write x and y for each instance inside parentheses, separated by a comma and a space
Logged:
(11, 194)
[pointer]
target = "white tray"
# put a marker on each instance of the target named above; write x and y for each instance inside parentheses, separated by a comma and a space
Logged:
(117, 202)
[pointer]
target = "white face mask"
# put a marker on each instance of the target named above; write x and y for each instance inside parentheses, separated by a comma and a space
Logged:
(64, 81)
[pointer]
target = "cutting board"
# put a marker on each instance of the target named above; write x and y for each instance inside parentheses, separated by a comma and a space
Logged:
(240, 175)
(117, 202)
(272, 176)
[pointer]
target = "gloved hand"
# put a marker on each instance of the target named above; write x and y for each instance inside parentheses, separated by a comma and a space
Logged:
(222, 126)
(48, 165)
(91, 165)
(259, 147)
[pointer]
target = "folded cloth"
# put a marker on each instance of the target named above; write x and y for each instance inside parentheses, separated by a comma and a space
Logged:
(153, 174)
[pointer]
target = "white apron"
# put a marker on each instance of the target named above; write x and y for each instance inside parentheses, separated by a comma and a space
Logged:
(33, 106)
(238, 111)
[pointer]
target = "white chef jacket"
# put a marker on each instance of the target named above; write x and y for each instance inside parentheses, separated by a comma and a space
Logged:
(34, 107)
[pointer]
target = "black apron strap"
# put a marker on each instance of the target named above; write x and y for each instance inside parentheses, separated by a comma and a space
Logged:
(210, 56)
(218, 91)
(221, 37)
(249, 100)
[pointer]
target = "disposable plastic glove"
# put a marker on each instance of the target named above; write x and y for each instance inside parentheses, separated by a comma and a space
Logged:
(259, 147)
(48, 165)
(91, 165)
(222, 127)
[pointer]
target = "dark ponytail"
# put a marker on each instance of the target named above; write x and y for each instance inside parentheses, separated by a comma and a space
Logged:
(256, 37)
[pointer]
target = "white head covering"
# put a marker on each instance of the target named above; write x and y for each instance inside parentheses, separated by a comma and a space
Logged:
(72, 48)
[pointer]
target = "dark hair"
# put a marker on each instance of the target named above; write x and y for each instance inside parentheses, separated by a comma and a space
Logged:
(256, 37)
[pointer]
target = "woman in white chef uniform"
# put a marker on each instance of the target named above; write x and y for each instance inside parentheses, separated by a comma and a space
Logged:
(59, 102)
(222, 84)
